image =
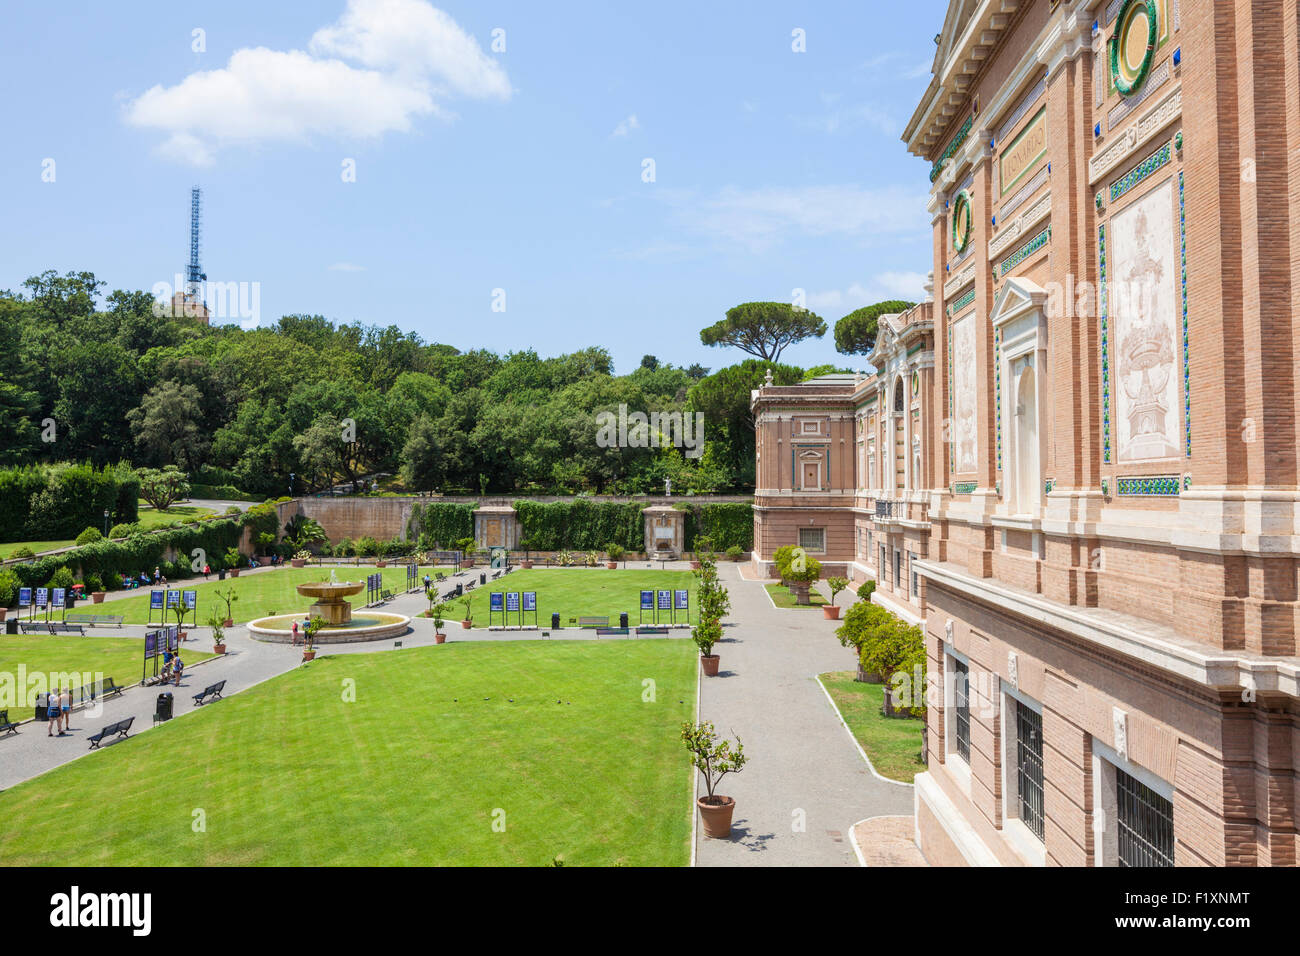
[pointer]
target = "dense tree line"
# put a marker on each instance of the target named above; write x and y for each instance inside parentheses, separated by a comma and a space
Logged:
(92, 377)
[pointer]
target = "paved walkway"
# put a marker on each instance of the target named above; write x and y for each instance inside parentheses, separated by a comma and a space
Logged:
(805, 784)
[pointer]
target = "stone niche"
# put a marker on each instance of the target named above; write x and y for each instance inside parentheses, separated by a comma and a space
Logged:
(496, 526)
(665, 531)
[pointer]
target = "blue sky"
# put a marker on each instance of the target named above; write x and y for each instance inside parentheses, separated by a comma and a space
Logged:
(478, 170)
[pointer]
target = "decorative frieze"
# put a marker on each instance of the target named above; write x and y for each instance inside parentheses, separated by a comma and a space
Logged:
(1103, 310)
(966, 275)
(1149, 486)
(1134, 137)
(955, 145)
(1025, 251)
(1187, 373)
(1141, 171)
(960, 303)
(1022, 108)
(1013, 230)
(1159, 76)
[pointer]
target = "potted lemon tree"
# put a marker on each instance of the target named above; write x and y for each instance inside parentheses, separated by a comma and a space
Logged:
(714, 759)
(831, 611)
(218, 634)
(467, 603)
(309, 630)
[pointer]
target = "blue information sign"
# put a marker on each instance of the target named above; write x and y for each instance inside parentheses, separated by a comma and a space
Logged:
(682, 599)
(42, 597)
(647, 600)
(512, 601)
(173, 597)
(665, 600)
(155, 600)
(497, 601)
(191, 599)
(24, 597)
(150, 644)
(530, 600)
(57, 596)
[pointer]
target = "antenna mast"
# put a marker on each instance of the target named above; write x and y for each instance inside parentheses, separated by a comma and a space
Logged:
(194, 274)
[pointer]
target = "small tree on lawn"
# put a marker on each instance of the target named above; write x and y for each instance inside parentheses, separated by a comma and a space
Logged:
(713, 758)
(712, 596)
(164, 488)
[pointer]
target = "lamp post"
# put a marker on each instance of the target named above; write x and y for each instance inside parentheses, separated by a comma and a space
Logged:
(105, 522)
(291, 484)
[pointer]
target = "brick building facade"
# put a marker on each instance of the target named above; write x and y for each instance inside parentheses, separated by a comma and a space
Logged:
(1077, 461)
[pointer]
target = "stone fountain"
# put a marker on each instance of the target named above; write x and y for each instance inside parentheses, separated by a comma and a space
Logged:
(335, 611)
(330, 605)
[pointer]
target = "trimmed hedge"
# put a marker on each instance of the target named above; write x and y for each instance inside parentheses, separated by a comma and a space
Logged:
(728, 524)
(443, 522)
(143, 550)
(53, 502)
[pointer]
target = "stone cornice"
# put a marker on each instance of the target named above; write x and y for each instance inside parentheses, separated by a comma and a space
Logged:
(955, 284)
(1015, 229)
(1134, 137)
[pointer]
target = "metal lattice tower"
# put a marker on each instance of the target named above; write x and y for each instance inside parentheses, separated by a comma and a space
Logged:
(194, 275)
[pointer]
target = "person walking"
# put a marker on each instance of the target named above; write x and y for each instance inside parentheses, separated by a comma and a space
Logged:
(295, 633)
(65, 708)
(179, 669)
(52, 712)
(206, 571)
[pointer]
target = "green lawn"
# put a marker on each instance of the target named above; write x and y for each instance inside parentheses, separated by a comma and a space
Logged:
(892, 743)
(263, 593)
(581, 592)
(782, 597)
(73, 661)
(551, 741)
(6, 550)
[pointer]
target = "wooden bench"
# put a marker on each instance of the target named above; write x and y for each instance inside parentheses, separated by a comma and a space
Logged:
(212, 691)
(439, 576)
(597, 622)
(651, 630)
(7, 726)
(98, 689)
(611, 631)
(28, 626)
(57, 628)
(120, 728)
(95, 620)
(387, 595)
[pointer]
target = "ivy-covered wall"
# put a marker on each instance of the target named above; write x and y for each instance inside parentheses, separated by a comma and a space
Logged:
(580, 525)
(441, 523)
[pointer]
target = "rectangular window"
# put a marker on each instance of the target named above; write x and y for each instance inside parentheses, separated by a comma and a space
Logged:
(898, 567)
(884, 567)
(812, 539)
(1145, 824)
(916, 578)
(961, 700)
(1029, 768)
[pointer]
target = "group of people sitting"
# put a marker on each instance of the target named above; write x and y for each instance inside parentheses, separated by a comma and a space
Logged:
(173, 668)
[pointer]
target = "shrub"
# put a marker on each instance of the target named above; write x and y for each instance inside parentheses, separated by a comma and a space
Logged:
(868, 588)
(124, 530)
(345, 548)
(53, 502)
(8, 587)
(92, 582)
(22, 553)
(367, 547)
(62, 578)
(89, 536)
(735, 552)
(615, 551)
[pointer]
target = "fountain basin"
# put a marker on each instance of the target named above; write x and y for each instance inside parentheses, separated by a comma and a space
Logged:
(371, 626)
(330, 605)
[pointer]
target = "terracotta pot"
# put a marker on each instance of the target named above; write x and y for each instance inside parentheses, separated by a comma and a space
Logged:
(831, 612)
(612, 565)
(710, 664)
(695, 565)
(526, 565)
(716, 817)
(467, 564)
(298, 562)
(440, 638)
(234, 572)
(3, 612)
(228, 622)
(96, 597)
(308, 656)
(381, 564)
(218, 648)
(466, 624)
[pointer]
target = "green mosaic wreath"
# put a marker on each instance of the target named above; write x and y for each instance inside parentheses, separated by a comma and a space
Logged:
(1124, 21)
(960, 211)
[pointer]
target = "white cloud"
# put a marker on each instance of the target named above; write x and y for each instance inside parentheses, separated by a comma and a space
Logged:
(346, 267)
(412, 57)
(759, 218)
(885, 285)
(626, 126)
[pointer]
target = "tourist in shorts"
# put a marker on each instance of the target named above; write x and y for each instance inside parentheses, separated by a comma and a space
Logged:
(178, 669)
(52, 711)
(65, 708)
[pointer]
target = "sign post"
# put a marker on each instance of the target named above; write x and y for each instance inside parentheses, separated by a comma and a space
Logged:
(647, 604)
(665, 603)
(530, 604)
(25, 601)
(497, 605)
(512, 607)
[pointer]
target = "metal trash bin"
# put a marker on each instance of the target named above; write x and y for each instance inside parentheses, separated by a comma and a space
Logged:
(482, 579)
(11, 625)
(555, 621)
(42, 706)
(163, 710)
(622, 619)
